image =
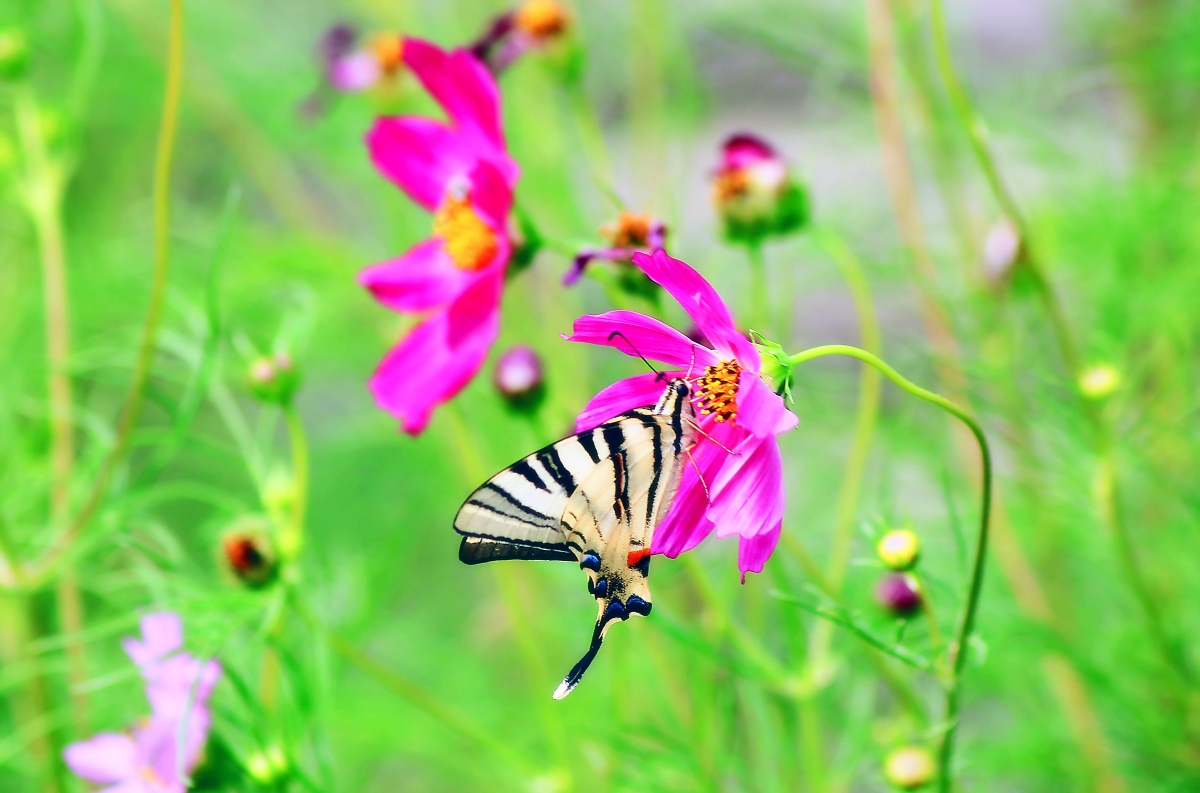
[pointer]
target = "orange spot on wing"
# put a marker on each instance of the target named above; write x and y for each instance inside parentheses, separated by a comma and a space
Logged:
(638, 555)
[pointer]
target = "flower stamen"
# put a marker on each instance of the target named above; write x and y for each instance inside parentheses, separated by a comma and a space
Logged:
(716, 391)
(541, 19)
(471, 243)
(388, 50)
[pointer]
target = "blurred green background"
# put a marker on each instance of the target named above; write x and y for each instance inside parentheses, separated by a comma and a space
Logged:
(1083, 677)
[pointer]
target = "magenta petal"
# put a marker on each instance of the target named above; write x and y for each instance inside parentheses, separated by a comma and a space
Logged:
(689, 522)
(491, 194)
(463, 87)
(703, 305)
(748, 496)
(107, 757)
(421, 155)
(642, 335)
(760, 410)
(624, 395)
(162, 634)
(423, 278)
(440, 356)
(753, 552)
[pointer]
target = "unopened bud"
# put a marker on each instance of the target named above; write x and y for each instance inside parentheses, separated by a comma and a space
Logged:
(248, 552)
(1001, 250)
(900, 594)
(754, 191)
(14, 54)
(273, 379)
(519, 379)
(1100, 381)
(268, 766)
(909, 768)
(899, 549)
(541, 20)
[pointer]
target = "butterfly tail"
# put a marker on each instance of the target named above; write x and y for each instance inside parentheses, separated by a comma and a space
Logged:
(576, 674)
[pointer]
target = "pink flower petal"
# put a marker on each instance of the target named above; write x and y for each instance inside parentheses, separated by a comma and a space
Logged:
(464, 88)
(642, 335)
(440, 356)
(491, 194)
(748, 497)
(689, 522)
(107, 757)
(162, 634)
(624, 395)
(760, 410)
(420, 155)
(753, 552)
(357, 71)
(703, 305)
(422, 279)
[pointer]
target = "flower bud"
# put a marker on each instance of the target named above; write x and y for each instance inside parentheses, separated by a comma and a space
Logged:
(754, 191)
(14, 54)
(268, 766)
(1002, 250)
(518, 378)
(541, 20)
(900, 594)
(909, 768)
(273, 379)
(248, 552)
(899, 549)
(1100, 381)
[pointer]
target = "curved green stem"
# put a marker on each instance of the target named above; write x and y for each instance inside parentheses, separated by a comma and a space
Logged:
(966, 624)
(158, 290)
(294, 536)
(760, 294)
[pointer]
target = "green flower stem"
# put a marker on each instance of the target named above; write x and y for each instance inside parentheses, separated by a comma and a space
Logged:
(162, 249)
(294, 536)
(760, 294)
(977, 134)
(958, 649)
(28, 703)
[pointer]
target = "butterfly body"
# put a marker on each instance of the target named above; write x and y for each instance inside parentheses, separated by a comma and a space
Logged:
(594, 498)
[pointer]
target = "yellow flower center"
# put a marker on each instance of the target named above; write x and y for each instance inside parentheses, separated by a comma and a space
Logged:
(542, 19)
(716, 390)
(471, 243)
(628, 231)
(388, 49)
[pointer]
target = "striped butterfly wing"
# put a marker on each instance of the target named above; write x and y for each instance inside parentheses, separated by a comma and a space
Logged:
(594, 498)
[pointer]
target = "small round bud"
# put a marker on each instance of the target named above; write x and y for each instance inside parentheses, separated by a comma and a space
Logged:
(900, 594)
(754, 191)
(248, 553)
(909, 768)
(1100, 381)
(14, 54)
(268, 766)
(1001, 250)
(899, 549)
(519, 379)
(541, 20)
(273, 379)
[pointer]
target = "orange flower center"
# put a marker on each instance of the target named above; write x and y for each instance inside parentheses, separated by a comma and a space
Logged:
(628, 231)
(542, 19)
(388, 49)
(716, 390)
(471, 243)
(728, 185)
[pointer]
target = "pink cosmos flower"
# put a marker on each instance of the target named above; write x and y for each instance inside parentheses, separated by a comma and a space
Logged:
(629, 233)
(461, 172)
(534, 24)
(178, 687)
(740, 414)
(754, 191)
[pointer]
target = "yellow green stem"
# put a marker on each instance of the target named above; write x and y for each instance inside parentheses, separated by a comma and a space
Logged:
(957, 652)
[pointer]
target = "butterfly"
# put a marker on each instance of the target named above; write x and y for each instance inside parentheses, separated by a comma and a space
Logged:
(594, 498)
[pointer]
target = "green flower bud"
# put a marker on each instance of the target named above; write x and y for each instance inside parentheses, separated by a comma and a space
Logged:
(1099, 382)
(273, 379)
(909, 768)
(755, 193)
(268, 766)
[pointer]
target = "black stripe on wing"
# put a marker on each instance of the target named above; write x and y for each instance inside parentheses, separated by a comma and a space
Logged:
(477, 550)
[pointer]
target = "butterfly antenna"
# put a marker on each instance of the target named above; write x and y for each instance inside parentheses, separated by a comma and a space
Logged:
(616, 333)
(696, 426)
(576, 674)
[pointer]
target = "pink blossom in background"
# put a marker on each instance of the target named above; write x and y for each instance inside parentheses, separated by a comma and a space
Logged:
(179, 687)
(462, 173)
(738, 411)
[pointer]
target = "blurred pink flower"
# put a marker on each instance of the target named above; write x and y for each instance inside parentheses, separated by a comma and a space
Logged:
(461, 172)
(754, 191)
(738, 411)
(179, 687)
(630, 232)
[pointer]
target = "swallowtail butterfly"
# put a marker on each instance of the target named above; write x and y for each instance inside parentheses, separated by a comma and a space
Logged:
(594, 498)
